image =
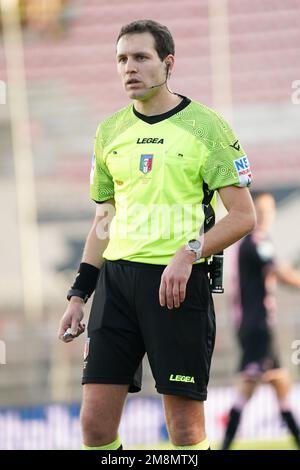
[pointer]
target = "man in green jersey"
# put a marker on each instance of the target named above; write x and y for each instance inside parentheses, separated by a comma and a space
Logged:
(156, 169)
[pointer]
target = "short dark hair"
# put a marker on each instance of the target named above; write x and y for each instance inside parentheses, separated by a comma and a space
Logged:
(164, 42)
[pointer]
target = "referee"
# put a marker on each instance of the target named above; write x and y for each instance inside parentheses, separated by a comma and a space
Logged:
(156, 169)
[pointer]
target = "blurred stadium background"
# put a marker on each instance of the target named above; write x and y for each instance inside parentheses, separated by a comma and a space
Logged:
(57, 81)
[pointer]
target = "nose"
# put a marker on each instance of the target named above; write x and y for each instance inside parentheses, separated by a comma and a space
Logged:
(130, 66)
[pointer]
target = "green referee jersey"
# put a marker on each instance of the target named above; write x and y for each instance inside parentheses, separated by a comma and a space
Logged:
(162, 172)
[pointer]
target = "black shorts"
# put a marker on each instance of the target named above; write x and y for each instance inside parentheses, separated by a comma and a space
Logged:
(259, 353)
(127, 321)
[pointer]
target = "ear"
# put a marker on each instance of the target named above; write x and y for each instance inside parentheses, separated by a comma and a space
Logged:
(169, 61)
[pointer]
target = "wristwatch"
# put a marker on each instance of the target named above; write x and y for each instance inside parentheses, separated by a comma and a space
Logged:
(195, 246)
(78, 293)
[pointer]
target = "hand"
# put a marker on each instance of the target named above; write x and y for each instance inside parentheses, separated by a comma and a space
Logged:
(72, 319)
(175, 277)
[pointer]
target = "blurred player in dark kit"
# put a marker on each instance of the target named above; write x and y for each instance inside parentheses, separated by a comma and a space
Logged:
(258, 271)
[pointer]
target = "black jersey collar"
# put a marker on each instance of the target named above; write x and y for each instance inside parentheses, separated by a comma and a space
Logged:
(161, 117)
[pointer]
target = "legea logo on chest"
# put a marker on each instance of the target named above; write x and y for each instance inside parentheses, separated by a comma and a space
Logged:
(149, 140)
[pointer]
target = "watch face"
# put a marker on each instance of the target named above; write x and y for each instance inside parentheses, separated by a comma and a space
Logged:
(194, 244)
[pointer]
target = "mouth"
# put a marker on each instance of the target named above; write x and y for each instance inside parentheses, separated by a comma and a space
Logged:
(132, 82)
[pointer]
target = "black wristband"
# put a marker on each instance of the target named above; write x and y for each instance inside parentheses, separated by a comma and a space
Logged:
(77, 293)
(85, 281)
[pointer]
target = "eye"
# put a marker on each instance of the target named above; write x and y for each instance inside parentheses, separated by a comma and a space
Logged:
(122, 60)
(141, 58)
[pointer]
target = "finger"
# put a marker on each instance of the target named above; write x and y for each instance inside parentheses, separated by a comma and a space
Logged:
(68, 339)
(62, 329)
(182, 291)
(67, 336)
(176, 295)
(169, 295)
(81, 329)
(162, 293)
(74, 326)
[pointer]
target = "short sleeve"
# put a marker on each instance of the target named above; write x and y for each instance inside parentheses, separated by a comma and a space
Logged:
(101, 182)
(226, 163)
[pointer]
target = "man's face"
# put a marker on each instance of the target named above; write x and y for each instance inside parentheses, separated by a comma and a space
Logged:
(265, 211)
(139, 65)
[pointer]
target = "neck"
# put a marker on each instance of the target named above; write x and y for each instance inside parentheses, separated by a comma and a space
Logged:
(262, 229)
(161, 102)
